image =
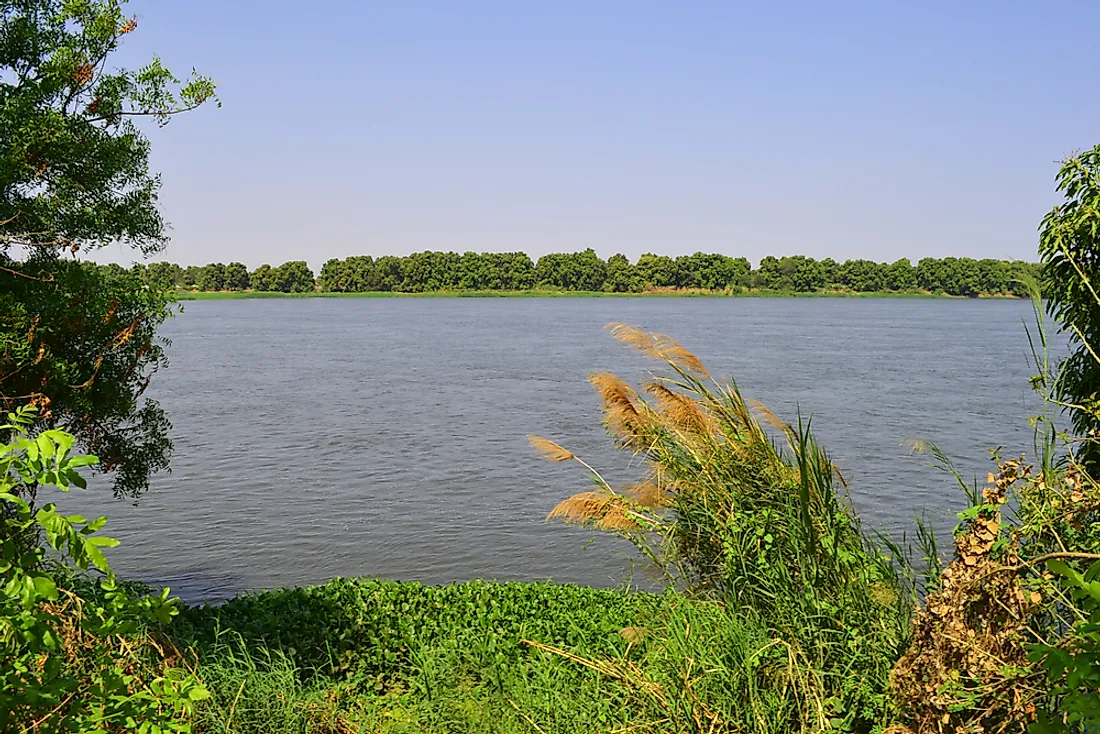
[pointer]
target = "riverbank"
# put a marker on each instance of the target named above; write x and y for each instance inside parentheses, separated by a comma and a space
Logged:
(364, 655)
(238, 295)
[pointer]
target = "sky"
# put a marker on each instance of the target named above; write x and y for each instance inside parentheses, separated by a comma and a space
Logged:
(846, 130)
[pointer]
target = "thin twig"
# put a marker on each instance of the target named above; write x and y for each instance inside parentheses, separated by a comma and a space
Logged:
(526, 718)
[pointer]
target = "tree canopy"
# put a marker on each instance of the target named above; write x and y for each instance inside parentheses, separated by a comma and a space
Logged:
(79, 341)
(1069, 244)
(431, 271)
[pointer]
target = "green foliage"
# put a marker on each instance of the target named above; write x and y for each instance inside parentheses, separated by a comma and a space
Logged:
(369, 629)
(622, 277)
(477, 657)
(1073, 668)
(1069, 245)
(293, 277)
(863, 276)
(67, 660)
(79, 340)
(577, 271)
(441, 272)
(290, 277)
(75, 168)
(657, 271)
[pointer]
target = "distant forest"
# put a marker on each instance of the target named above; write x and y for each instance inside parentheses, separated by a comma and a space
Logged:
(424, 272)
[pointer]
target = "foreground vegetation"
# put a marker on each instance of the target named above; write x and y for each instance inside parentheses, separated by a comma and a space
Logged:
(585, 272)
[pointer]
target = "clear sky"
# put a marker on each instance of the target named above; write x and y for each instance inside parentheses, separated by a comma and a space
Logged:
(831, 129)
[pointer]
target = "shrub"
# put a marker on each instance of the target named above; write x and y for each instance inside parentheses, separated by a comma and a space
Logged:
(72, 656)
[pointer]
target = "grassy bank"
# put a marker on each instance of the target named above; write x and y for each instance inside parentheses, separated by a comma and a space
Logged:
(236, 295)
(383, 656)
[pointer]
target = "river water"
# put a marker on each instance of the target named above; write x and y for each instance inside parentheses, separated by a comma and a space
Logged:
(386, 437)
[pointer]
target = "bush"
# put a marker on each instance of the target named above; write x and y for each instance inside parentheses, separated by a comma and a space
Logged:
(73, 652)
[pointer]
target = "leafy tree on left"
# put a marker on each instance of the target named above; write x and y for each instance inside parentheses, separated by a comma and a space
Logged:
(80, 342)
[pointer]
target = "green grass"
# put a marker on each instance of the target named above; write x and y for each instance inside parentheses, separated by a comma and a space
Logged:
(370, 656)
(236, 295)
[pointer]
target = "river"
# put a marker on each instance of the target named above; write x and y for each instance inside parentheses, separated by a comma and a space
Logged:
(386, 437)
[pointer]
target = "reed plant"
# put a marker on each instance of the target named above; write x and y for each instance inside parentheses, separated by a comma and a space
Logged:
(740, 507)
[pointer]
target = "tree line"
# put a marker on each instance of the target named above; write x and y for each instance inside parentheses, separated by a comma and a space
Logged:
(430, 271)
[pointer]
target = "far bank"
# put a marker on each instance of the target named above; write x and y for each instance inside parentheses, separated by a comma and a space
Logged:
(747, 293)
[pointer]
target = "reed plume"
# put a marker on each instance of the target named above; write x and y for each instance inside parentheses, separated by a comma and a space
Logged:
(549, 449)
(658, 346)
(624, 412)
(762, 412)
(681, 410)
(607, 510)
(647, 494)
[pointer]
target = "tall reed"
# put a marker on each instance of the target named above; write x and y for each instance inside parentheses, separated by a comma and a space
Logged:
(742, 507)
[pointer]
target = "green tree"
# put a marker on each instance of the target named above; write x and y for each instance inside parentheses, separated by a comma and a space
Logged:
(262, 279)
(657, 271)
(213, 277)
(769, 272)
(900, 275)
(293, 277)
(190, 277)
(74, 176)
(993, 276)
(388, 274)
(162, 275)
(861, 275)
(622, 277)
(75, 168)
(707, 271)
(333, 276)
(803, 274)
(236, 277)
(87, 365)
(1069, 245)
(509, 271)
(576, 271)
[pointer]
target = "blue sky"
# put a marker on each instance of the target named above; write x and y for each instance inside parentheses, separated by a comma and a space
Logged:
(876, 130)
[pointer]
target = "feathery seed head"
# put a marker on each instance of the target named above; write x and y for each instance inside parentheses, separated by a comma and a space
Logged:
(549, 449)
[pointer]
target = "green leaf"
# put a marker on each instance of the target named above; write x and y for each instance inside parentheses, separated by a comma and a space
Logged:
(45, 587)
(95, 555)
(94, 525)
(198, 693)
(46, 447)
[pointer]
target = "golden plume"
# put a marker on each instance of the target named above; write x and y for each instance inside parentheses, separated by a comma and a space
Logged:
(549, 449)
(609, 511)
(616, 519)
(582, 507)
(658, 346)
(678, 408)
(619, 404)
(647, 494)
(761, 412)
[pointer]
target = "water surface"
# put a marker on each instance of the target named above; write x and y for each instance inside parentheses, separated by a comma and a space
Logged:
(386, 437)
